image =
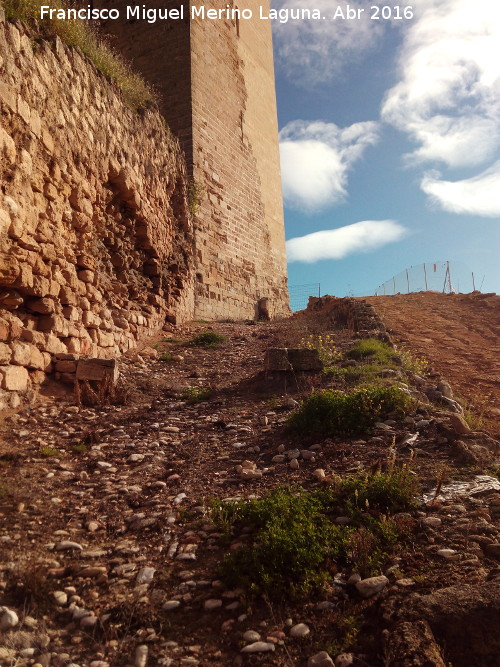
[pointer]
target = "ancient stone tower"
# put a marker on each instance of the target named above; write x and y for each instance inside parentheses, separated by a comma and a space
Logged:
(216, 83)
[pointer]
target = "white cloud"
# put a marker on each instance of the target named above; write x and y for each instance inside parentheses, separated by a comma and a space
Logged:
(448, 98)
(313, 51)
(475, 196)
(316, 158)
(337, 243)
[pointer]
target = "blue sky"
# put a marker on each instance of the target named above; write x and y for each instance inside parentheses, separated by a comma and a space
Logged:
(390, 141)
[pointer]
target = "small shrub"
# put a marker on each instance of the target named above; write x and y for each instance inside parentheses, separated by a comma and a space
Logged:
(50, 451)
(413, 363)
(295, 546)
(207, 339)
(294, 543)
(78, 448)
(325, 346)
(374, 350)
(166, 356)
(386, 492)
(333, 412)
(197, 394)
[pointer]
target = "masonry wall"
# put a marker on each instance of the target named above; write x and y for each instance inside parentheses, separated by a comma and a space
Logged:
(230, 136)
(95, 238)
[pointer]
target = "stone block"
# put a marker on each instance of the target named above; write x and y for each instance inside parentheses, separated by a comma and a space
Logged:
(54, 345)
(97, 369)
(305, 359)
(66, 366)
(21, 353)
(5, 353)
(14, 378)
(276, 359)
(44, 306)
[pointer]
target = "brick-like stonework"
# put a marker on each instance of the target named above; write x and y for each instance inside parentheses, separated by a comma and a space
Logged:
(216, 81)
(95, 236)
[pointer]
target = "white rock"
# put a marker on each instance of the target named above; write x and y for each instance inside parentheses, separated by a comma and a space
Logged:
(211, 605)
(259, 647)
(8, 618)
(171, 604)
(320, 474)
(321, 659)
(294, 464)
(448, 554)
(88, 622)
(141, 656)
(135, 458)
(145, 575)
(432, 521)
(60, 597)
(368, 587)
(68, 546)
(300, 630)
(251, 636)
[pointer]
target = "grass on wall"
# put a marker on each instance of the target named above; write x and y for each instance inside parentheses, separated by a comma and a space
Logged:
(77, 33)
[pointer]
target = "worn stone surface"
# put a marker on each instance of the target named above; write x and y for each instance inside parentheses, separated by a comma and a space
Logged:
(95, 244)
(412, 644)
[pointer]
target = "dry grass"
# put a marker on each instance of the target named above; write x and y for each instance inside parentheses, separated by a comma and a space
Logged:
(76, 33)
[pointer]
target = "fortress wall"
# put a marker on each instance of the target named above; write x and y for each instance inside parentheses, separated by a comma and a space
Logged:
(240, 247)
(220, 101)
(95, 238)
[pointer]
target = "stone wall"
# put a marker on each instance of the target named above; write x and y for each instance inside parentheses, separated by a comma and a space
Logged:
(95, 237)
(216, 81)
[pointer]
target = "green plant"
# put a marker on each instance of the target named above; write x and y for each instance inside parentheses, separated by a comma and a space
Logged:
(78, 33)
(375, 351)
(197, 394)
(294, 541)
(325, 346)
(78, 448)
(412, 363)
(385, 492)
(195, 196)
(166, 356)
(50, 451)
(332, 412)
(207, 339)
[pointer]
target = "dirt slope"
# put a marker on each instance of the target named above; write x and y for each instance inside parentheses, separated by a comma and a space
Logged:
(458, 334)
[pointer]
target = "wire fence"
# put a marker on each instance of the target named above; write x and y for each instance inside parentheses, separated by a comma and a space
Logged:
(299, 295)
(447, 277)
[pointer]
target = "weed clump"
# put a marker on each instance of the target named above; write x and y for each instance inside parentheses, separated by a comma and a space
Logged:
(207, 339)
(333, 412)
(77, 33)
(197, 394)
(373, 350)
(295, 547)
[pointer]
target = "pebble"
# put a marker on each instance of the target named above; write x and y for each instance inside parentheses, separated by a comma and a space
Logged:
(92, 526)
(294, 464)
(321, 659)
(141, 656)
(259, 647)
(448, 554)
(344, 660)
(432, 521)
(211, 605)
(300, 630)
(88, 622)
(171, 604)
(145, 575)
(60, 597)
(8, 618)
(368, 587)
(251, 636)
(320, 474)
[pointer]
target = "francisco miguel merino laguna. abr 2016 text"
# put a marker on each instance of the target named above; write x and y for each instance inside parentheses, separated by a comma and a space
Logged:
(154, 14)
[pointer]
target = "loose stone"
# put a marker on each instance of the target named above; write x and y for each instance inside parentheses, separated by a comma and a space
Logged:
(321, 659)
(300, 630)
(211, 605)
(259, 647)
(251, 636)
(368, 587)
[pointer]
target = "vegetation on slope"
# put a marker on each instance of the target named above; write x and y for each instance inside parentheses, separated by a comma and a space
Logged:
(80, 34)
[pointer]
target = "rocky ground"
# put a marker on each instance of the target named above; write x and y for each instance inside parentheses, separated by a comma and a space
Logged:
(109, 555)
